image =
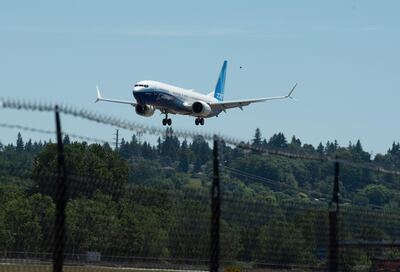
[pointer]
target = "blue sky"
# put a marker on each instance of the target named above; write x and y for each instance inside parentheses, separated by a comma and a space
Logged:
(344, 55)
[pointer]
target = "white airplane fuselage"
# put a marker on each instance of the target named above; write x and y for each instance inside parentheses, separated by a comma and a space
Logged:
(170, 99)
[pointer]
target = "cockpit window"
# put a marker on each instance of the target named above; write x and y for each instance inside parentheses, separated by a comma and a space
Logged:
(141, 85)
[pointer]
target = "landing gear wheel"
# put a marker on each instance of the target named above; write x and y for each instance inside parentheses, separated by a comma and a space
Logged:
(164, 122)
(196, 121)
(202, 121)
(169, 121)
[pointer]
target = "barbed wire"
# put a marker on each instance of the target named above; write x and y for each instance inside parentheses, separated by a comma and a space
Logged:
(52, 132)
(13, 103)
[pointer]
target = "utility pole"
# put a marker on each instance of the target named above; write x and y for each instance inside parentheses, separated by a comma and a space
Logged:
(116, 138)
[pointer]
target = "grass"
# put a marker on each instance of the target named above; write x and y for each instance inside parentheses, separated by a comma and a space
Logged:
(49, 268)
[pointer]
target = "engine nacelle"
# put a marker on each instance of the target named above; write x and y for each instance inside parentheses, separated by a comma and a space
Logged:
(144, 110)
(201, 108)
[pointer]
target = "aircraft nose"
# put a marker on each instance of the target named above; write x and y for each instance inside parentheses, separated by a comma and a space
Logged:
(138, 88)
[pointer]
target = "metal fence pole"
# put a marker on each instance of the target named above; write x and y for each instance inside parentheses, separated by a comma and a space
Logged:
(61, 199)
(215, 212)
(333, 224)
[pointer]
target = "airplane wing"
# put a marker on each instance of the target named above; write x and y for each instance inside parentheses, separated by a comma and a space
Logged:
(100, 98)
(241, 103)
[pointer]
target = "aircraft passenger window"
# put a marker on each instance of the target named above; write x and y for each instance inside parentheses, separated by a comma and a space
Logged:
(146, 86)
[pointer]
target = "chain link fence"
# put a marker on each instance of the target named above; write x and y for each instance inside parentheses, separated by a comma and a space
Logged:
(55, 218)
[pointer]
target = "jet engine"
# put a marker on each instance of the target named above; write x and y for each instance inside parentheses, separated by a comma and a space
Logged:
(144, 110)
(201, 108)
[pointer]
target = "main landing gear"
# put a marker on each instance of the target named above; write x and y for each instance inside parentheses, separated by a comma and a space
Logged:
(198, 121)
(166, 120)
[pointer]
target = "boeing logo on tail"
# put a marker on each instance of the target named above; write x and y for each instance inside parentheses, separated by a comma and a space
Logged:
(153, 95)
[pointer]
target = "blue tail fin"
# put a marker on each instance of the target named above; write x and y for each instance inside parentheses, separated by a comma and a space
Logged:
(220, 88)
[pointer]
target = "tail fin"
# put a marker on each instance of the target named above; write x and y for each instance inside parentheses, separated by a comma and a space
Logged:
(220, 87)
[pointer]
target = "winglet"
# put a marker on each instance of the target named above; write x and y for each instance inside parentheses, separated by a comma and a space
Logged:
(98, 95)
(291, 91)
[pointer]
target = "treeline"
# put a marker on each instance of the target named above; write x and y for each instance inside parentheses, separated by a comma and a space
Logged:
(170, 162)
(153, 200)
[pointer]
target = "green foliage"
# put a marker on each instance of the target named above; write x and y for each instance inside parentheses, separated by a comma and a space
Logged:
(191, 217)
(151, 201)
(92, 224)
(107, 171)
(257, 140)
(280, 242)
(27, 220)
(374, 194)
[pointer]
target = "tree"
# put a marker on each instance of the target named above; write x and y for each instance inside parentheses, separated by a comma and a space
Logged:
(377, 194)
(20, 143)
(200, 150)
(144, 172)
(257, 140)
(89, 167)
(295, 142)
(320, 150)
(280, 242)
(189, 232)
(170, 146)
(66, 140)
(278, 141)
(92, 223)
(29, 219)
(29, 146)
(148, 152)
(184, 158)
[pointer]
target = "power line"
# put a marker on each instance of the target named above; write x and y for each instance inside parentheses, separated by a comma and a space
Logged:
(271, 182)
(51, 132)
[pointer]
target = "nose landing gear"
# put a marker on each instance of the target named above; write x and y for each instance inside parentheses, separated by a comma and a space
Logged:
(199, 121)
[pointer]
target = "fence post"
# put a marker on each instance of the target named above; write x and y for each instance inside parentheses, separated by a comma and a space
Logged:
(215, 211)
(333, 224)
(61, 199)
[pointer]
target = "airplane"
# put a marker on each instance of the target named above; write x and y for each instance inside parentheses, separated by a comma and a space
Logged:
(153, 95)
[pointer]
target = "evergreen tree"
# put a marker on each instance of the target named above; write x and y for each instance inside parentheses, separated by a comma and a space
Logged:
(395, 150)
(330, 148)
(295, 141)
(20, 143)
(124, 149)
(66, 140)
(184, 157)
(106, 146)
(170, 146)
(29, 146)
(147, 151)
(320, 149)
(201, 151)
(278, 141)
(37, 146)
(257, 138)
